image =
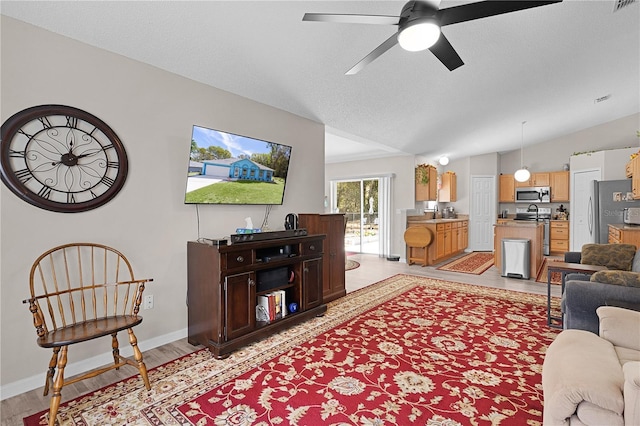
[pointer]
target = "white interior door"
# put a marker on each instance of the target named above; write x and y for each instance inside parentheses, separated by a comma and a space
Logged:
(580, 215)
(483, 213)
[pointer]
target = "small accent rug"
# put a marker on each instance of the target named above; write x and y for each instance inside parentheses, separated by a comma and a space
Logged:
(405, 350)
(473, 263)
(556, 277)
(351, 264)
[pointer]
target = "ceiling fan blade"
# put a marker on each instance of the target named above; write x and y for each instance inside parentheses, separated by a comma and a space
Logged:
(444, 51)
(378, 51)
(484, 9)
(351, 19)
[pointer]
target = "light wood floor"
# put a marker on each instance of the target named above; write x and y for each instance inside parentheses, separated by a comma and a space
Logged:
(372, 269)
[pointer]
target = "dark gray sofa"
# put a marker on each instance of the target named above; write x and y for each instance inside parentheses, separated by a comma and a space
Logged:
(581, 296)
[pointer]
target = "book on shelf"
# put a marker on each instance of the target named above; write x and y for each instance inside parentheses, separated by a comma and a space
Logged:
(273, 304)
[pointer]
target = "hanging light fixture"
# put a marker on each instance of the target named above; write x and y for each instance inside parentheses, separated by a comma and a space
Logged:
(522, 174)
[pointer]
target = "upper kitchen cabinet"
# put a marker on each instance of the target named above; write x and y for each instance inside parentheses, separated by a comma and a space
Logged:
(447, 191)
(559, 186)
(536, 179)
(426, 182)
(507, 189)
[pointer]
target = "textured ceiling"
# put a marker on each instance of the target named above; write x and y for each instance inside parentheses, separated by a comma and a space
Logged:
(545, 66)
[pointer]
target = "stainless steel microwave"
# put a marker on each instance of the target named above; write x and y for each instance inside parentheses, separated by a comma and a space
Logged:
(536, 194)
(631, 215)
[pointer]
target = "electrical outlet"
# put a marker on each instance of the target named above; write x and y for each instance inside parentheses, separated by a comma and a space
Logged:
(148, 302)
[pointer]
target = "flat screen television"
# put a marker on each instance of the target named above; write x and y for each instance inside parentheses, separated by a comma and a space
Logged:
(225, 168)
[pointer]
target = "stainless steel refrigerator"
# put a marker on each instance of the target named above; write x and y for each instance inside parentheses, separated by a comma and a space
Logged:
(608, 199)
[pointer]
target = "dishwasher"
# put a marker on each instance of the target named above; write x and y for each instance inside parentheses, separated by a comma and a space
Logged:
(515, 258)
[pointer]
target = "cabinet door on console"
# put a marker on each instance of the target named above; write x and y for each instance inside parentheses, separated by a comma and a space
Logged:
(312, 283)
(240, 304)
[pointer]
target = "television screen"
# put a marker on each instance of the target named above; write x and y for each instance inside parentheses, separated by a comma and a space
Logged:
(225, 168)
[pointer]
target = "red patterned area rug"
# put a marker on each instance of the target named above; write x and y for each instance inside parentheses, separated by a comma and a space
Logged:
(473, 263)
(405, 350)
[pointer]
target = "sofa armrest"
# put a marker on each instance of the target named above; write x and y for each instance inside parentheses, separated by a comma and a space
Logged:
(581, 299)
(620, 326)
(572, 257)
(631, 372)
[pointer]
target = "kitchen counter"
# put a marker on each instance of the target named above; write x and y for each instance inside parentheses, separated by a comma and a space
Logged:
(625, 227)
(533, 231)
(410, 220)
(430, 241)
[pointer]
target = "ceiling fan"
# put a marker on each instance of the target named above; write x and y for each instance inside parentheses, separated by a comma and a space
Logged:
(419, 26)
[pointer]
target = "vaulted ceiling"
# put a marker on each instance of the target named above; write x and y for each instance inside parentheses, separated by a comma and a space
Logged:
(547, 66)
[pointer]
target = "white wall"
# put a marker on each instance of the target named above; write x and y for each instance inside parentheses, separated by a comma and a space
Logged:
(152, 111)
(551, 155)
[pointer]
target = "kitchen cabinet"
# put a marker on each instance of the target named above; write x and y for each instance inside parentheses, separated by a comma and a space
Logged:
(426, 181)
(507, 189)
(635, 177)
(559, 186)
(448, 188)
(449, 238)
(536, 179)
(332, 225)
(624, 234)
(559, 236)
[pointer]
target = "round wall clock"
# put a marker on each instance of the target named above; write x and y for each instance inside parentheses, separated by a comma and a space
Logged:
(61, 158)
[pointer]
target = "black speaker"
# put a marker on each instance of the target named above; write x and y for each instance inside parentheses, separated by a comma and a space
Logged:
(291, 221)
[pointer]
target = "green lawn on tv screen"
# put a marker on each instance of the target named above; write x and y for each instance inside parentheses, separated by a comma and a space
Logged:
(238, 192)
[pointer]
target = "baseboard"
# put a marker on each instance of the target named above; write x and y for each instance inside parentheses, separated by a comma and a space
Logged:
(37, 381)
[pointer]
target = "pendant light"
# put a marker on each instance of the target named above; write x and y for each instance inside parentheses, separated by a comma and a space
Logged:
(522, 174)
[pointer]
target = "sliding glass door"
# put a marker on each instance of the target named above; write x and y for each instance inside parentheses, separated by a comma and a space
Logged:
(359, 200)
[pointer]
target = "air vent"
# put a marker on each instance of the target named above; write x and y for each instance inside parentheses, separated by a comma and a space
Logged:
(601, 99)
(619, 4)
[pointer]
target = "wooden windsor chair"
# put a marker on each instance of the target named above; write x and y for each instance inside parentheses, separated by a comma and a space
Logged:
(79, 292)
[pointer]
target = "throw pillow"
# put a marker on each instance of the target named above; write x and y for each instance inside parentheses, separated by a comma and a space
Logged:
(635, 266)
(613, 256)
(623, 278)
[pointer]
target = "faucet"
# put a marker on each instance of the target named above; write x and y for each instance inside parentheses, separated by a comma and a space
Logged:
(530, 209)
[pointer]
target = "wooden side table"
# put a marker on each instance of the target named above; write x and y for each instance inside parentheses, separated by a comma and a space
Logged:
(565, 268)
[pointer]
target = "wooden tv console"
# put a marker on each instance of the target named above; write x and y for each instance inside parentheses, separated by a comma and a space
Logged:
(224, 282)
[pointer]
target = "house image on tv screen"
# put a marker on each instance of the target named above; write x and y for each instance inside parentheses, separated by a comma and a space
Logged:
(237, 169)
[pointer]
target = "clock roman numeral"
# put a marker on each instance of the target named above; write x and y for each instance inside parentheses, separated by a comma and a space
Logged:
(45, 192)
(72, 122)
(71, 197)
(106, 147)
(16, 154)
(113, 164)
(22, 132)
(107, 181)
(45, 122)
(24, 175)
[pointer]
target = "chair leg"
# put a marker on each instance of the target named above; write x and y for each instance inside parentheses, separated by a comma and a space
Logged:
(138, 357)
(57, 387)
(51, 371)
(115, 349)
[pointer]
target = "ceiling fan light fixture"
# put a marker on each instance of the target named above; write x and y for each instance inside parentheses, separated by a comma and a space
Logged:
(419, 34)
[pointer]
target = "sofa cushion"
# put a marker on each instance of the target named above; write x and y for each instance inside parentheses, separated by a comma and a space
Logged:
(613, 256)
(635, 265)
(620, 326)
(624, 278)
